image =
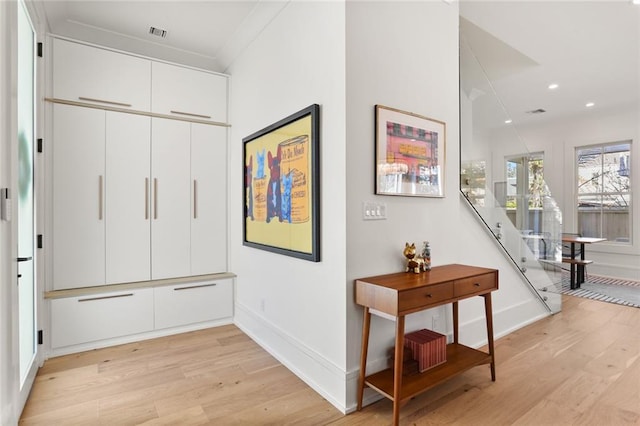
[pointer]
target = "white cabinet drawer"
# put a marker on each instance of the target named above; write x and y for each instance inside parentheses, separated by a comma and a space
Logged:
(188, 93)
(192, 303)
(83, 319)
(88, 74)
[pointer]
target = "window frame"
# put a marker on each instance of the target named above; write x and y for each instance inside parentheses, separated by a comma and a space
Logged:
(628, 239)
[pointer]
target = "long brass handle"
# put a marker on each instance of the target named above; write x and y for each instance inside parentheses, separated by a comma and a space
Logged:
(190, 114)
(104, 102)
(195, 199)
(146, 198)
(155, 198)
(100, 197)
(90, 299)
(195, 286)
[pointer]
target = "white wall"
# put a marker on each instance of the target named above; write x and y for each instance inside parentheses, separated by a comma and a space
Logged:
(298, 60)
(405, 55)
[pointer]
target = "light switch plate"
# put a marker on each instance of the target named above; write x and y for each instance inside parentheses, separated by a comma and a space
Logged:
(374, 211)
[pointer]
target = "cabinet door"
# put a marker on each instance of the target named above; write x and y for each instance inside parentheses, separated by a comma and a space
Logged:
(208, 199)
(188, 93)
(89, 74)
(170, 225)
(78, 320)
(128, 224)
(78, 197)
(192, 303)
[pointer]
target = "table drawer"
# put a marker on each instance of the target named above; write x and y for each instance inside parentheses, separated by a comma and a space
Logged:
(473, 285)
(424, 296)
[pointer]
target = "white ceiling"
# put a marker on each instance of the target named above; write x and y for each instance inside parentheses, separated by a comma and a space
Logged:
(590, 49)
(206, 34)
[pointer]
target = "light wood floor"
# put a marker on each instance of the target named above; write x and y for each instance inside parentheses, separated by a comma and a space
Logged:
(579, 367)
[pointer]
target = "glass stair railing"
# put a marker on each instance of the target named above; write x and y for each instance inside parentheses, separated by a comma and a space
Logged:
(503, 183)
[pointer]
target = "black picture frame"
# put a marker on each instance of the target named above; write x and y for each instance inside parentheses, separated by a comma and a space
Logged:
(281, 186)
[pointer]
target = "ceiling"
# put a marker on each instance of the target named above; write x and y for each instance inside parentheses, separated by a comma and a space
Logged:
(589, 48)
(204, 34)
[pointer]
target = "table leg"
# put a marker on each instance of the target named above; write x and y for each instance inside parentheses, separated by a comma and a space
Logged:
(366, 324)
(397, 373)
(489, 316)
(574, 280)
(581, 267)
(455, 322)
(572, 277)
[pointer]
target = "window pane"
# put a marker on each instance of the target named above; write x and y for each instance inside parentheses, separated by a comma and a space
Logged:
(616, 171)
(589, 170)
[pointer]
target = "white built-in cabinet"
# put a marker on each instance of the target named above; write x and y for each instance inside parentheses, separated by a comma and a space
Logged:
(138, 196)
(208, 200)
(187, 93)
(98, 76)
(78, 234)
(101, 227)
(189, 193)
(82, 321)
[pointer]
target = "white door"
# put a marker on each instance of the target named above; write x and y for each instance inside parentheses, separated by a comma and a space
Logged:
(24, 196)
(78, 197)
(128, 175)
(170, 224)
(208, 199)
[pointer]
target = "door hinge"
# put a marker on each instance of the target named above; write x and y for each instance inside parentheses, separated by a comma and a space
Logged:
(39, 241)
(40, 50)
(40, 337)
(40, 145)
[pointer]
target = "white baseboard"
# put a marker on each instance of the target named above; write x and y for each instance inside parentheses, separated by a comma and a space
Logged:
(315, 370)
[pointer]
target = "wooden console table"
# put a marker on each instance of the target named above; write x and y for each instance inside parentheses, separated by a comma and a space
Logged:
(402, 293)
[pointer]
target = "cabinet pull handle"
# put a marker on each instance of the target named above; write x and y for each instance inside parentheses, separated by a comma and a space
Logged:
(195, 286)
(90, 299)
(104, 102)
(100, 196)
(155, 198)
(191, 114)
(195, 199)
(146, 198)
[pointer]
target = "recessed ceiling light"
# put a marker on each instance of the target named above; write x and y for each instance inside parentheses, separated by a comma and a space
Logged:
(554, 86)
(509, 121)
(589, 104)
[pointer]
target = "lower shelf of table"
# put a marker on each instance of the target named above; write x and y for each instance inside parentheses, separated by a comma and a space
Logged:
(460, 358)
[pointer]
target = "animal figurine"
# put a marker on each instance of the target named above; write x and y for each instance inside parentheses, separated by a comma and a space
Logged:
(248, 179)
(274, 199)
(414, 263)
(287, 181)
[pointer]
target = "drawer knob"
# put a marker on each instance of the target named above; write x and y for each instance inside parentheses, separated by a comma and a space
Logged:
(477, 284)
(429, 296)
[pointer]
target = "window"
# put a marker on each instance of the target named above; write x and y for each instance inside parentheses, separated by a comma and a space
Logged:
(604, 191)
(525, 191)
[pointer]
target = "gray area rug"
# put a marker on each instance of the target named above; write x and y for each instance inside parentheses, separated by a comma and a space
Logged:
(621, 292)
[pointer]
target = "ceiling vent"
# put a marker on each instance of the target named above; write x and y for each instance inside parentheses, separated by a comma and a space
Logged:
(536, 111)
(158, 32)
